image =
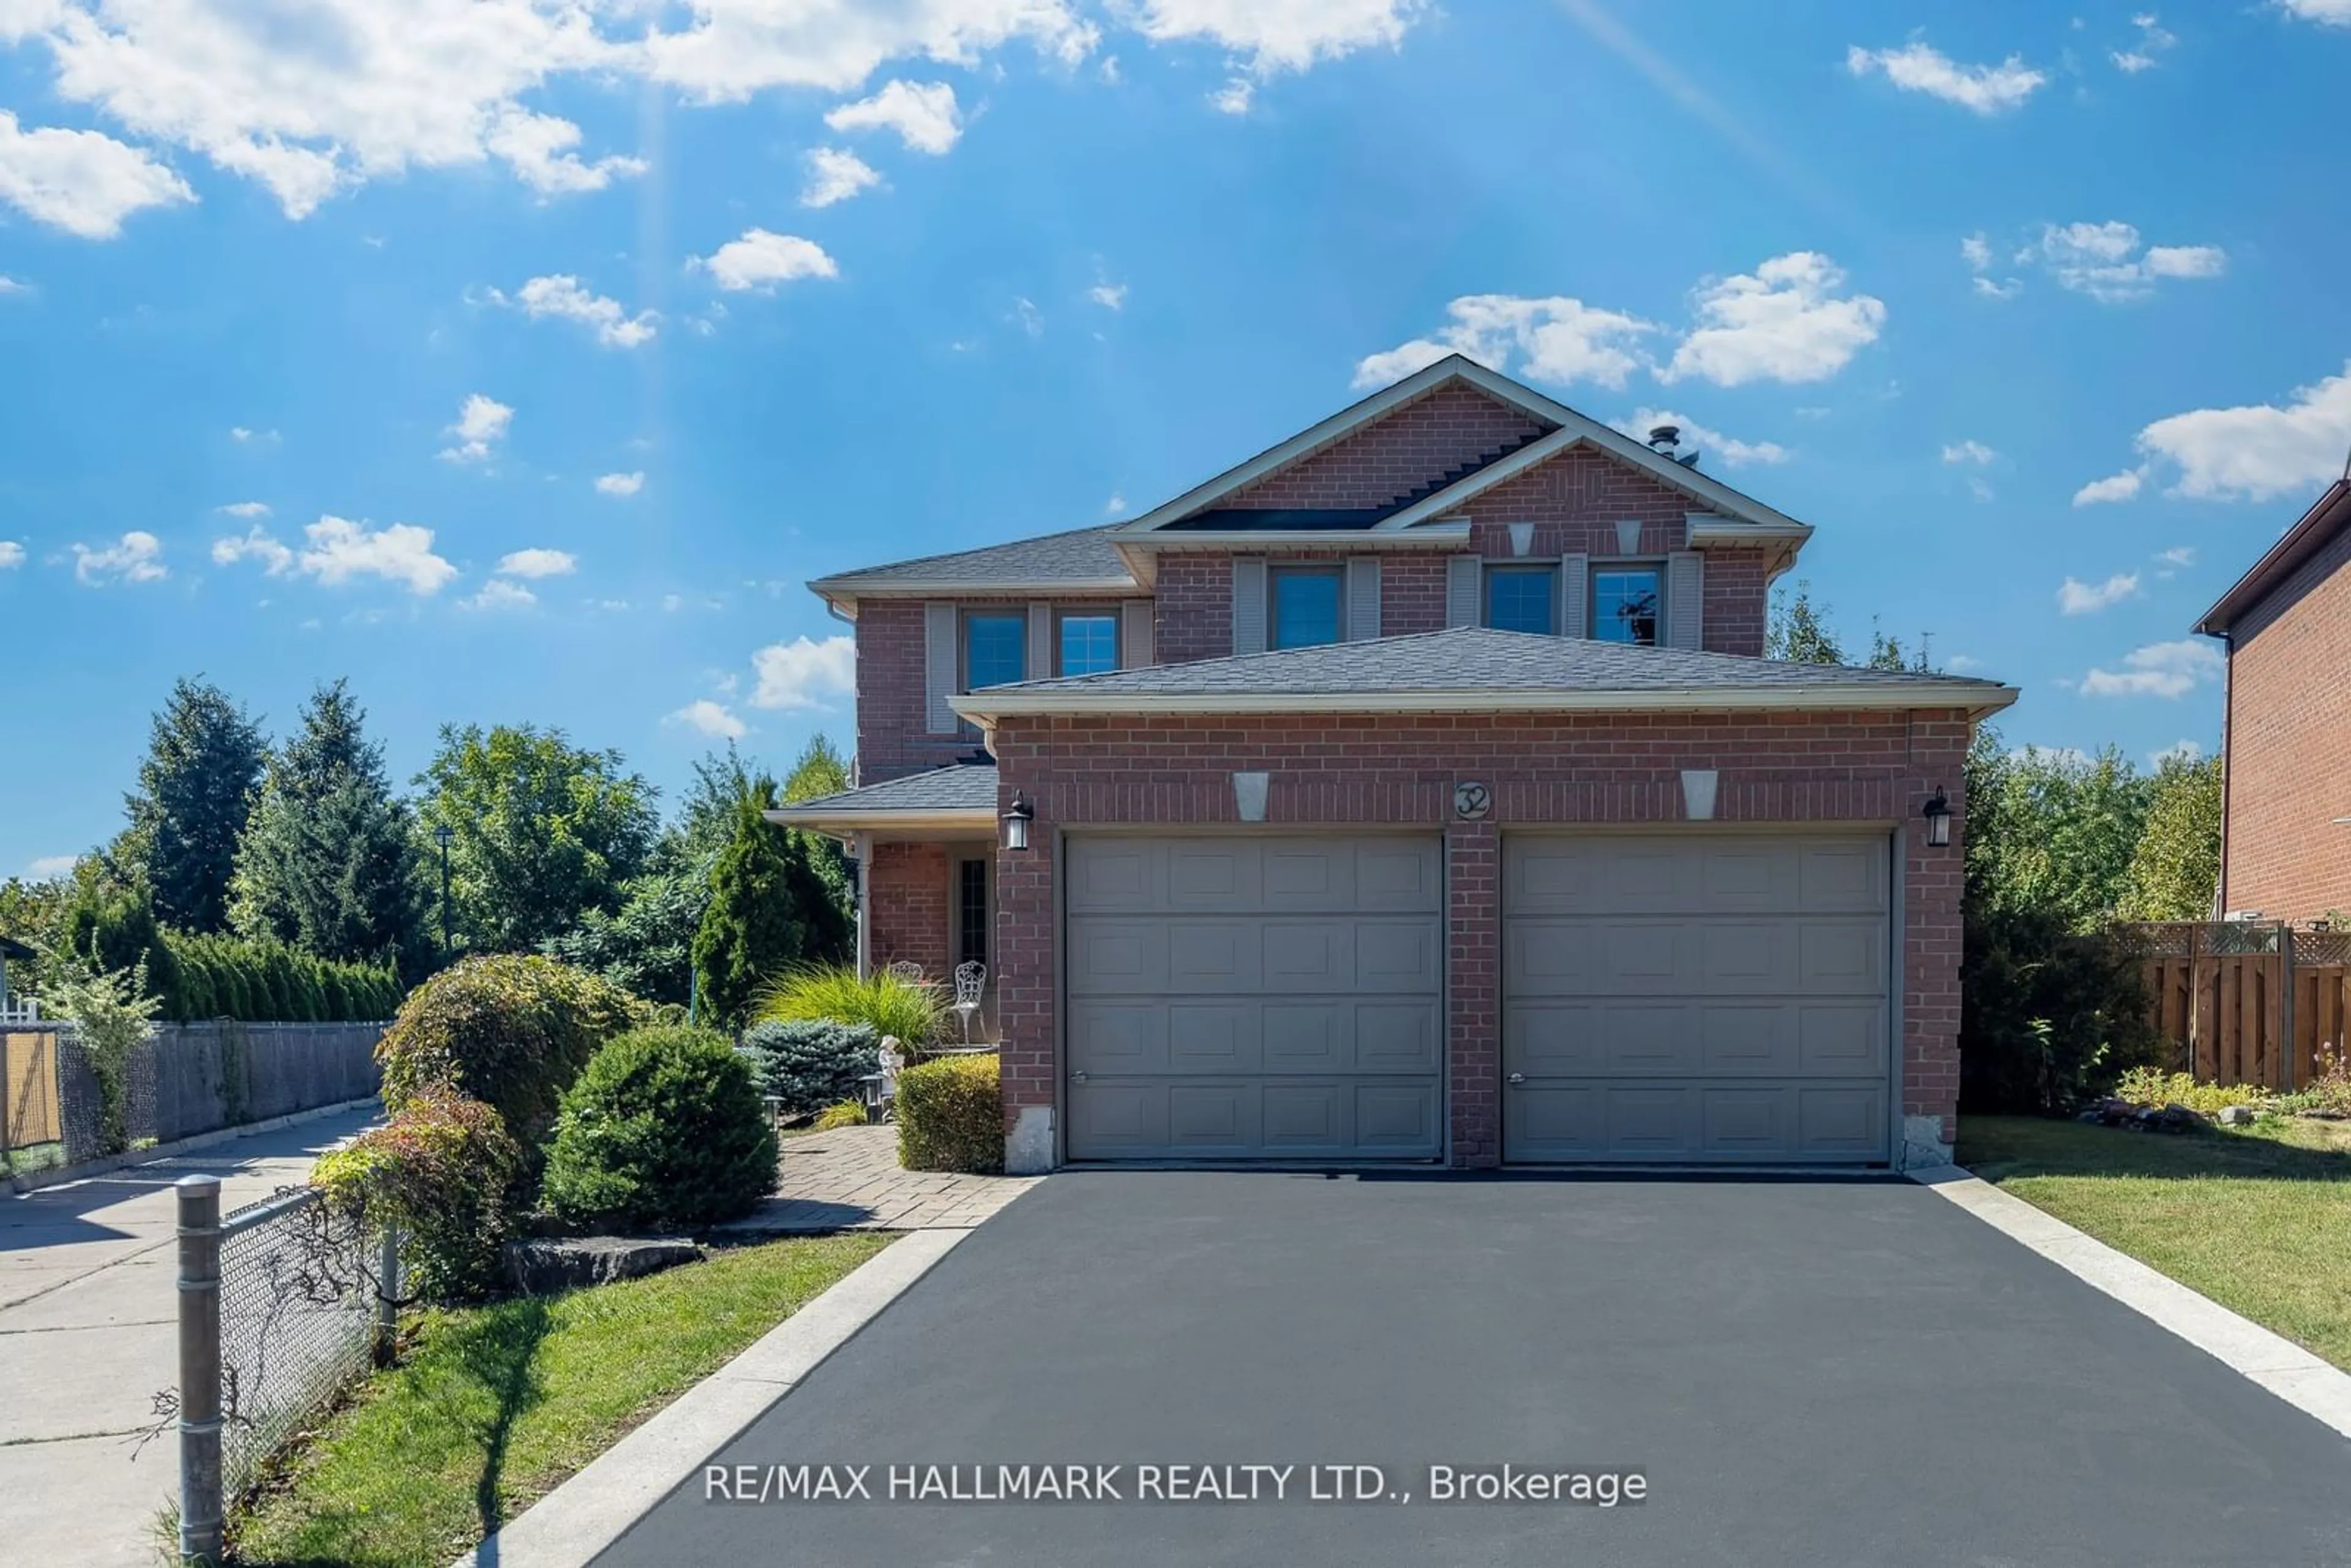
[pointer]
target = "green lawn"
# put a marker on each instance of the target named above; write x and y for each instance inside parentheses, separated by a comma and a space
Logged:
(491, 1406)
(2260, 1220)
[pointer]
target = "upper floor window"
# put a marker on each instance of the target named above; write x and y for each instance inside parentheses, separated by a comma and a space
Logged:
(1306, 606)
(1625, 602)
(995, 648)
(1522, 597)
(1089, 642)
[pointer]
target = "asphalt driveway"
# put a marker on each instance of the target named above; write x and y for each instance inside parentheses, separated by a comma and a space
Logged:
(1804, 1371)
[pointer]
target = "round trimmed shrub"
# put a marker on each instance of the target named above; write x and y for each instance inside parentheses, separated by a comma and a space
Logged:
(445, 1171)
(665, 1128)
(512, 1029)
(809, 1065)
(949, 1116)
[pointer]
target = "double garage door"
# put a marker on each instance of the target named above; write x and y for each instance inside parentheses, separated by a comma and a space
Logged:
(1665, 997)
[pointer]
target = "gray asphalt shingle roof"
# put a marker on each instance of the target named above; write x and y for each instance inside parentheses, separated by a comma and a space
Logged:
(965, 787)
(1083, 555)
(1478, 659)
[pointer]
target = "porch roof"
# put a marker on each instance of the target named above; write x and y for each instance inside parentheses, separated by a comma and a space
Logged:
(959, 797)
(1476, 669)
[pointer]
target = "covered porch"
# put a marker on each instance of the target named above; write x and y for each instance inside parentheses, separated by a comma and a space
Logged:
(924, 847)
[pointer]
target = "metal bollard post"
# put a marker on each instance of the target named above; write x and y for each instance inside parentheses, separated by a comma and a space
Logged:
(387, 1296)
(200, 1370)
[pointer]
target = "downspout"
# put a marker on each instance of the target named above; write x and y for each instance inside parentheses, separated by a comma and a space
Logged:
(2228, 774)
(863, 847)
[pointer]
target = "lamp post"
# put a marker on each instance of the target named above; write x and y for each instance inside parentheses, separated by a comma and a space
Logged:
(442, 834)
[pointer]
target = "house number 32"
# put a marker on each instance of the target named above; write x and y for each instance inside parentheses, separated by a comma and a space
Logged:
(1472, 802)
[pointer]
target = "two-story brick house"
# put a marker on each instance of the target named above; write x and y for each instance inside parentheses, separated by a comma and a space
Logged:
(1416, 790)
(2285, 841)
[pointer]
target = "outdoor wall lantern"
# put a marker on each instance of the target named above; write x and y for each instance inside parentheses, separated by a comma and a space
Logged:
(1017, 820)
(1938, 813)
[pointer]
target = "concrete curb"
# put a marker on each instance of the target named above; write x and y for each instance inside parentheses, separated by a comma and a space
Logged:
(2275, 1362)
(571, 1525)
(32, 1181)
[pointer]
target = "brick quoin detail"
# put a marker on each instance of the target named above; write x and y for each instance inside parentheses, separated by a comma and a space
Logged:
(1440, 430)
(2289, 745)
(1333, 769)
(906, 900)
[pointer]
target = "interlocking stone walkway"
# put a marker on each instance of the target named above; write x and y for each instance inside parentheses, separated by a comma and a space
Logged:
(849, 1179)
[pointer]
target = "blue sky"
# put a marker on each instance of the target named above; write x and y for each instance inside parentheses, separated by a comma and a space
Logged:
(2035, 313)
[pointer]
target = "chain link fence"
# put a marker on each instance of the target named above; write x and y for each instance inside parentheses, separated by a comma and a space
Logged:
(306, 1299)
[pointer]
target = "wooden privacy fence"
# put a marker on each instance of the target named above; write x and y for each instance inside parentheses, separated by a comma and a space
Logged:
(29, 1114)
(2246, 1002)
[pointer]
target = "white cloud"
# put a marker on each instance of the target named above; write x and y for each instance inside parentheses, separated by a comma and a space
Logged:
(498, 593)
(711, 718)
(561, 297)
(2178, 555)
(244, 509)
(620, 484)
(2154, 38)
(2078, 598)
(1960, 664)
(1974, 452)
(2103, 260)
(82, 182)
(1976, 251)
(244, 436)
(801, 673)
(924, 116)
(481, 424)
(2122, 486)
(538, 563)
(258, 545)
(1267, 36)
(835, 174)
(1734, 453)
(2332, 13)
(1026, 314)
(316, 98)
(12, 555)
(1555, 339)
(2182, 750)
(340, 550)
(1235, 96)
(48, 867)
(1787, 322)
(135, 556)
(736, 47)
(1919, 67)
(1115, 506)
(2255, 452)
(1109, 295)
(13, 286)
(761, 260)
(2158, 670)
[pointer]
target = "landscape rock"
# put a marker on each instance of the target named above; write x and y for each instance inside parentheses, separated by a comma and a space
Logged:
(2111, 1112)
(2239, 1116)
(537, 1268)
(2172, 1118)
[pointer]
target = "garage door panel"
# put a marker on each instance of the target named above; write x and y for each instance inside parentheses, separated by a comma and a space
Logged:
(1695, 996)
(1219, 1037)
(1253, 997)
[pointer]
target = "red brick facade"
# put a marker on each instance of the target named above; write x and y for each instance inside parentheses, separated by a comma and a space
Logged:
(906, 902)
(1448, 428)
(2289, 752)
(1874, 768)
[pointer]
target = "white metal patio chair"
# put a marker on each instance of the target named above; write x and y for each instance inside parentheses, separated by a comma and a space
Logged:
(970, 985)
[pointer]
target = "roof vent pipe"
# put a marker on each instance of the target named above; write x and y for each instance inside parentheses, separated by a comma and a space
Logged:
(1665, 437)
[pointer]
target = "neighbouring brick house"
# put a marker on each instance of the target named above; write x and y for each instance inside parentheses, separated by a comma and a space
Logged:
(2286, 843)
(1416, 790)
